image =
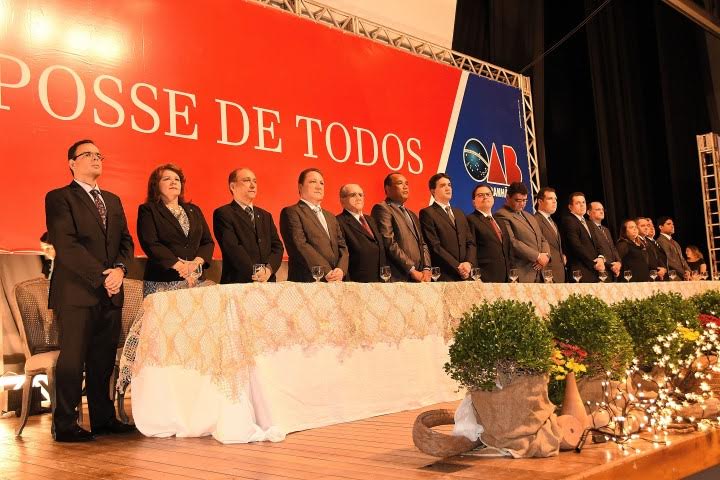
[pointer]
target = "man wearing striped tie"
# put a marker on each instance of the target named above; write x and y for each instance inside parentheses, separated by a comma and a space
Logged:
(88, 228)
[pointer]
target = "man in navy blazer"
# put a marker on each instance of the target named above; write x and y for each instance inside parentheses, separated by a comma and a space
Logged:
(311, 234)
(365, 245)
(246, 233)
(89, 230)
(447, 233)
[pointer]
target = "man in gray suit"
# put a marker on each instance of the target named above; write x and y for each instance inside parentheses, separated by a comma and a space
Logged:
(529, 252)
(405, 248)
(312, 235)
(546, 206)
(675, 258)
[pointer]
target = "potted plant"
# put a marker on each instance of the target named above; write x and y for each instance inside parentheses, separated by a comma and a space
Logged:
(502, 353)
(707, 302)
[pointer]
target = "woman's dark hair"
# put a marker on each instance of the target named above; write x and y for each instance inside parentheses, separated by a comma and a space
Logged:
(623, 229)
(696, 251)
(153, 189)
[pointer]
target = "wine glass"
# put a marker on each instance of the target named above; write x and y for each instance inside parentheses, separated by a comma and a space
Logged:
(577, 275)
(318, 272)
(513, 274)
(653, 274)
(547, 275)
(435, 273)
(627, 275)
(704, 275)
(475, 273)
(716, 276)
(257, 268)
(603, 276)
(673, 275)
(385, 273)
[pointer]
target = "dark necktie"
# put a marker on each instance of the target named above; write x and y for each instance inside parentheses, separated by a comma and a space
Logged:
(250, 214)
(365, 225)
(100, 206)
(449, 211)
(605, 233)
(584, 224)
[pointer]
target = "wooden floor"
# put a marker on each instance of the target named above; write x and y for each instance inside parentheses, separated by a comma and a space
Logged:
(378, 448)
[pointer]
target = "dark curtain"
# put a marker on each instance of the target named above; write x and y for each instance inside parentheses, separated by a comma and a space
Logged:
(621, 100)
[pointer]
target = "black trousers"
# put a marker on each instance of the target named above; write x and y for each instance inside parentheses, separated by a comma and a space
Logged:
(88, 341)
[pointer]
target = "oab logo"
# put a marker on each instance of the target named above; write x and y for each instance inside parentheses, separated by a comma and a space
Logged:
(491, 168)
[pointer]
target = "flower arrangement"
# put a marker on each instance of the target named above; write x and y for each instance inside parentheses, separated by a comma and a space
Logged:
(567, 358)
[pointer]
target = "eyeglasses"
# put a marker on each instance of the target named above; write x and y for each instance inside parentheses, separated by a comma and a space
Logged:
(483, 195)
(355, 194)
(519, 200)
(89, 155)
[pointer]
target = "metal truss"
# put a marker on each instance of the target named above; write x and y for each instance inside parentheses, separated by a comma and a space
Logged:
(709, 157)
(365, 28)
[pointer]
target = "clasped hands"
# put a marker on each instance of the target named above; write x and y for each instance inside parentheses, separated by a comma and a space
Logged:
(187, 268)
(113, 281)
(542, 260)
(335, 275)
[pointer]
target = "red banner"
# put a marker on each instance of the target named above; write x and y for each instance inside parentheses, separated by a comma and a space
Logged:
(231, 84)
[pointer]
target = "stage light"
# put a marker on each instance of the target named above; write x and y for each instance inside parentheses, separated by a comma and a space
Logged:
(40, 27)
(78, 39)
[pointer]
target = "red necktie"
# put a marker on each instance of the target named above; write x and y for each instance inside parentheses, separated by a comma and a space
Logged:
(365, 225)
(495, 227)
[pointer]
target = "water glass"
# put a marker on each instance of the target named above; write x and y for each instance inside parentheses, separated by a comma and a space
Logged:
(653, 274)
(547, 275)
(318, 272)
(475, 273)
(577, 275)
(385, 273)
(513, 275)
(435, 273)
(603, 276)
(627, 274)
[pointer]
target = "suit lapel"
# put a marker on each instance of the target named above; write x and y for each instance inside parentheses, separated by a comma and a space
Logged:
(85, 199)
(355, 224)
(485, 222)
(400, 217)
(165, 212)
(242, 216)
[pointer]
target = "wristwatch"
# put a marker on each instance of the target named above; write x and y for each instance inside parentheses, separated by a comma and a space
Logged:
(121, 266)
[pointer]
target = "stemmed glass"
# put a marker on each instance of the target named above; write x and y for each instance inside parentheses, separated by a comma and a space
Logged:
(513, 274)
(318, 272)
(547, 275)
(603, 276)
(475, 273)
(716, 276)
(673, 275)
(257, 268)
(627, 274)
(435, 273)
(577, 275)
(653, 274)
(385, 273)
(704, 275)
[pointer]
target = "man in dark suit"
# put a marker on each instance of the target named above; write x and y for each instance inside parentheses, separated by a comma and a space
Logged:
(657, 260)
(675, 259)
(246, 233)
(312, 235)
(365, 245)
(596, 212)
(405, 247)
(580, 240)
(447, 233)
(89, 230)
(529, 252)
(491, 242)
(546, 206)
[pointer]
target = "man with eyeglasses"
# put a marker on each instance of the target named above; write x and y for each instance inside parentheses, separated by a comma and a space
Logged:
(529, 251)
(657, 259)
(491, 241)
(447, 233)
(246, 234)
(581, 240)
(365, 246)
(546, 207)
(89, 230)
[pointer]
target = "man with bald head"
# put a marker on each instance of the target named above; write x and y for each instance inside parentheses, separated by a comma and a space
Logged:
(246, 233)
(362, 237)
(405, 247)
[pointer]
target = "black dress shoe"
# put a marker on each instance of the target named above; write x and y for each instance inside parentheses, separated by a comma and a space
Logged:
(114, 426)
(74, 435)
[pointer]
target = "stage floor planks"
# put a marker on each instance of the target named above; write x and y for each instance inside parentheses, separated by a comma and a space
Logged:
(378, 448)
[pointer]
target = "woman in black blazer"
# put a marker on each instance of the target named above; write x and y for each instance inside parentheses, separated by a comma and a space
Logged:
(173, 234)
(633, 252)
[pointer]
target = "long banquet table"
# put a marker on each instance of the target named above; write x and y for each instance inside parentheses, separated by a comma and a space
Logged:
(254, 362)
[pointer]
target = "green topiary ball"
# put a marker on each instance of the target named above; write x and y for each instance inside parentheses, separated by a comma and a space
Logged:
(650, 317)
(591, 324)
(496, 339)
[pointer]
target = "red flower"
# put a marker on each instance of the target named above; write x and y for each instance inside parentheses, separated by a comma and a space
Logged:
(706, 318)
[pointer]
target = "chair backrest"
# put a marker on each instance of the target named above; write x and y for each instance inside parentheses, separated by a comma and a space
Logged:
(132, 307)
(38, 327)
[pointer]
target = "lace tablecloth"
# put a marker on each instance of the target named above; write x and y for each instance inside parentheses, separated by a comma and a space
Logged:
(256, 361)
